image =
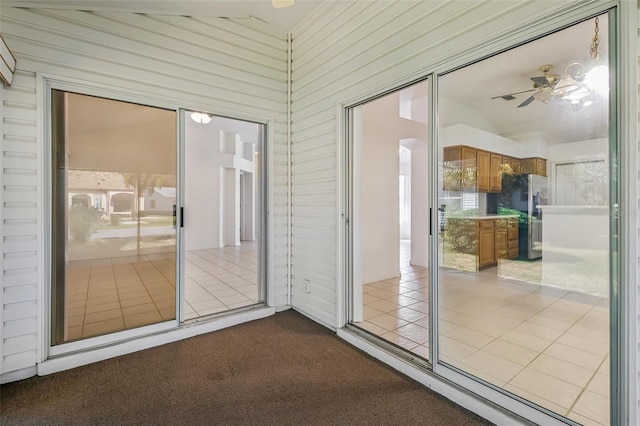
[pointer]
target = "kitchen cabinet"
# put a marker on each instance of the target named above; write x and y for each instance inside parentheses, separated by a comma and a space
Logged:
(495, 173)
(470, 169)
(513, 164)
(485, 238)
(460, 168)
(534, 165)
(507, 238)
(483, 162)
(486, 243)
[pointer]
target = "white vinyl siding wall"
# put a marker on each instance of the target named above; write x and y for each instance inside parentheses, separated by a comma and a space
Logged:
(236, 68)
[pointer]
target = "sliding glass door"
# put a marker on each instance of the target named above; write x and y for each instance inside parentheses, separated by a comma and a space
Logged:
(524, 272)
(113, 257)
(521, 225)
(223, 215)
(390, 267)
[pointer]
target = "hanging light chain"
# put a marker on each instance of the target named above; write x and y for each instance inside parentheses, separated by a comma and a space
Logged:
(595, 43)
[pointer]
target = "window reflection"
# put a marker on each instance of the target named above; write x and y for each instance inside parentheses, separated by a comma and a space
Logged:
(114, 192)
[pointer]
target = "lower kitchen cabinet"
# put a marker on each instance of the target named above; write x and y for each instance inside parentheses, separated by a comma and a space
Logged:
(479, 241)
(486, 242)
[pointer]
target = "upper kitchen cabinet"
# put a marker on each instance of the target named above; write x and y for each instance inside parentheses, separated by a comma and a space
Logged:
(512, 165)
(467, 168)
(483, 159)
(460, 168)
(534, 165)
(495, 173)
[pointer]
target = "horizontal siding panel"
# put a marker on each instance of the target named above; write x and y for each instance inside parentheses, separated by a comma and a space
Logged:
(22, 128)
(21, 310)
(20, 194)
(19, 97)
(318, 291)
(315, 209)
(17, 328)
(95, 65)
(21, 344)
(20, 244)
(20, 161)
(154, 39)
(14, 177)
(316, 175)
(18, 294)
(19, 278)
(18, 145)
(315, 275)
(18, 228)
(405, 53)
(19, 361)
(314, 187)
(327, 197)
(20, 260)
(324, 142)
(325, 256)
(318, 309)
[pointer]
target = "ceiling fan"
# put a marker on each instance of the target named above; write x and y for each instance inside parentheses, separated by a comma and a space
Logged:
(543, 87)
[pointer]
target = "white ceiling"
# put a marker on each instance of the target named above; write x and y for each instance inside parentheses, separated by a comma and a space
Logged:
(284, 19)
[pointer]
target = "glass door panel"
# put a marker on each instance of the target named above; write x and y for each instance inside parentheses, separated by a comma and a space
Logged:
(389, 181)
(223, 214)
(113, 236)
(523, 190)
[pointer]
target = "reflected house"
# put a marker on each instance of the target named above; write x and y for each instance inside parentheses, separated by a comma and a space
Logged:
(104, 191)
(160, 201)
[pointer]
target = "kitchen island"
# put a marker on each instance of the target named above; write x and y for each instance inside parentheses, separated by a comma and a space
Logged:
(575, 251)
(475, 242)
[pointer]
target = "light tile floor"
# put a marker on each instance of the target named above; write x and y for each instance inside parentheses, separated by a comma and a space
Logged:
(114, 294)
(547, 345)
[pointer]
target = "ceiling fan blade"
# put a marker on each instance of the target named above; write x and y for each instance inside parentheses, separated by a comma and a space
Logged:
(541, 81)
(510, 96)
(526, 102)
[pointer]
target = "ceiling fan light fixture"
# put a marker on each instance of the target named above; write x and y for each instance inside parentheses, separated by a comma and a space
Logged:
(565, 86)
(279, 4)
(543, 96)
(200, 118)
(577, 95)
(597, 78)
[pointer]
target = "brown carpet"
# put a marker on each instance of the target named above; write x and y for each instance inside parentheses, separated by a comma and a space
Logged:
(284, 369)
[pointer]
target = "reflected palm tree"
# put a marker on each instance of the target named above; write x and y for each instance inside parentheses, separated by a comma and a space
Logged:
(141, 183)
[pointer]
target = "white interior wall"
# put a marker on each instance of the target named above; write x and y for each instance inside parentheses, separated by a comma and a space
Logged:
(230, 207)
(405, 171)
(420, 205)
(232, 67)
(380, 197)
(202, 188)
